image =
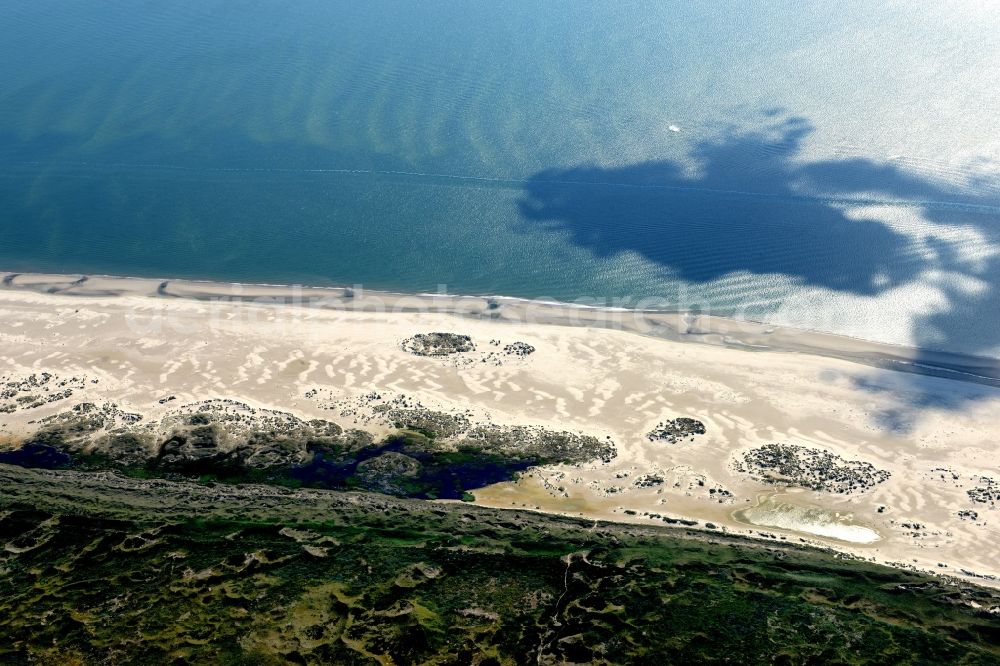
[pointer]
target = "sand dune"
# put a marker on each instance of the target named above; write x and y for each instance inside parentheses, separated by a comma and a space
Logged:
(149, 346)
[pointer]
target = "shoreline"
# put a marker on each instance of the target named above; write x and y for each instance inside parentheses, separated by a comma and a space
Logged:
(676, 325)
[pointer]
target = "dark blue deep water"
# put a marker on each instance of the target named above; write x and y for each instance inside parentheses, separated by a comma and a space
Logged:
(826, 165)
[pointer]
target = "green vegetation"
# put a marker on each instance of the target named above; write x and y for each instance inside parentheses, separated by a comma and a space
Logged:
(105, 569)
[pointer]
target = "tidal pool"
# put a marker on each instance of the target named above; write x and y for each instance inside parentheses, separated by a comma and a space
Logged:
(772, 512)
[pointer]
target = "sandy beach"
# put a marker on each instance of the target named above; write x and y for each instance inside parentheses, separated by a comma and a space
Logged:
(921, 427)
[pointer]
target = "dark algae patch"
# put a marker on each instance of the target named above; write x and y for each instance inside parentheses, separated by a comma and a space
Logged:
(433, 456)
(104, 569)
(812, 468)
(438, 344)
(34, 454)
(675, 430)
(409, 465)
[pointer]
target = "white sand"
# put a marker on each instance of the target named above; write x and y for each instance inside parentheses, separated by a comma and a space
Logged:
(318, 362)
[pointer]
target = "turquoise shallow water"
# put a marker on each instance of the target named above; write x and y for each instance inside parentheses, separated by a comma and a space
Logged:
(825, 167)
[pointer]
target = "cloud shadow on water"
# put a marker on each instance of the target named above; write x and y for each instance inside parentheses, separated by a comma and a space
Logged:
(752, 204)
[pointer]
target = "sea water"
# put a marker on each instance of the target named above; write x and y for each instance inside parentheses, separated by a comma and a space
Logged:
(823, 165)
